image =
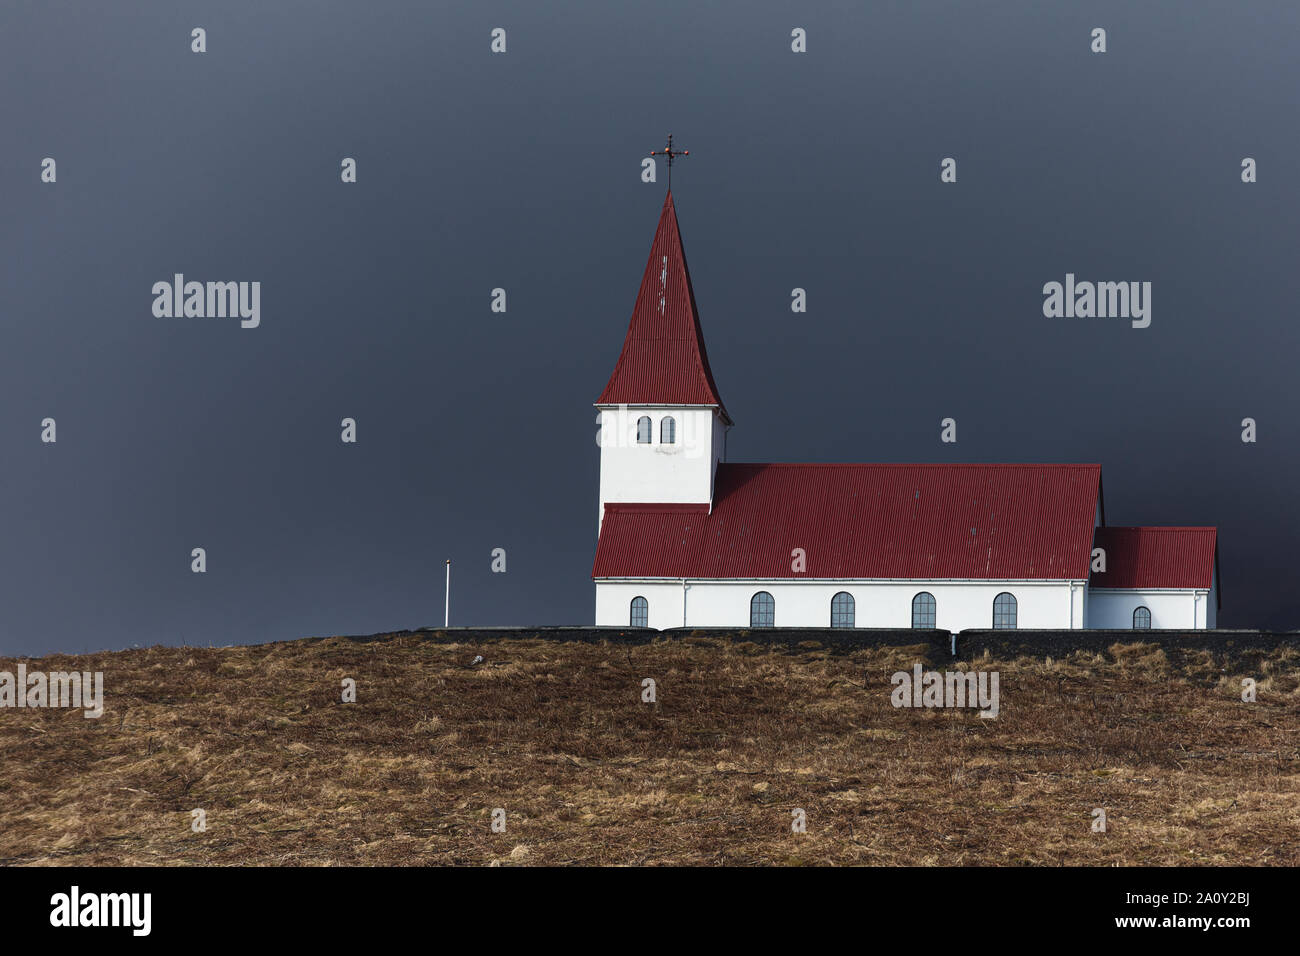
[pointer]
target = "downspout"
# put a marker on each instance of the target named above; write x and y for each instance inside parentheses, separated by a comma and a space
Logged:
(683, 602)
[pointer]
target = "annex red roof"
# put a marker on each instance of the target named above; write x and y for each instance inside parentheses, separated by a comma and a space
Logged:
(980, 522)
(1156, 557)
(663, 361)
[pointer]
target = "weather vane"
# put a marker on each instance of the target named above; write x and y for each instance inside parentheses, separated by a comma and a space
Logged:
(671, 154)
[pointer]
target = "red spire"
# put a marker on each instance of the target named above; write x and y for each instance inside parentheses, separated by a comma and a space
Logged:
(663, 361)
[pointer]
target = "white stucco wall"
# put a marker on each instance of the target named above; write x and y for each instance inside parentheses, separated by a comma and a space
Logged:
(680, 473)
(1175, 609)
(807, 603)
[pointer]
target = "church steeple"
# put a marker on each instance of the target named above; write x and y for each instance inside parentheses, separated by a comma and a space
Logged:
(663, 428)
(664, 361)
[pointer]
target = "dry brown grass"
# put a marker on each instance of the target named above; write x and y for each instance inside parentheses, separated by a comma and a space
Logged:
(556, 734)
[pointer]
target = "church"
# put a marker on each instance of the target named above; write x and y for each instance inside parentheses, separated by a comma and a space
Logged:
(687, 538)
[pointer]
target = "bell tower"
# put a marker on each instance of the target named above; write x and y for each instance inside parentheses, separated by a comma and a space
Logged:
(662, 424)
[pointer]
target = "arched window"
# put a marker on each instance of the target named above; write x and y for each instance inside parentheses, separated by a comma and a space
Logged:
(643, 430)
(1004, 611)
(923, 610)
(762, 610)
(1142, 619)
(640, 612)
(667, 431)
(842, 610)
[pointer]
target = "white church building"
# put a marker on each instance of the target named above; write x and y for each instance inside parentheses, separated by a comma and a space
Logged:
(689, 539)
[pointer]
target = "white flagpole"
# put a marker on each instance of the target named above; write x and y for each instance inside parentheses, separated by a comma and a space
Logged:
(446, 609)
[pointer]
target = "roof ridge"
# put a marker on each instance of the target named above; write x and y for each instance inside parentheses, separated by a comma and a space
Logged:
(920, 464)
(1159, 527)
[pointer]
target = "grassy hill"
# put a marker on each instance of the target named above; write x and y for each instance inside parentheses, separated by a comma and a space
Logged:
(555, 733)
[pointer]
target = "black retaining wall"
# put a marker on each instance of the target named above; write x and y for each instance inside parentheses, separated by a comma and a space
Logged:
(1047, 642)
(1233, 645)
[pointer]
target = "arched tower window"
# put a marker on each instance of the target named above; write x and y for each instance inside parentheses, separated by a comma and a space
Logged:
(643, 430)
(1004, 611)
(667, 431)
(923, 610)
(762, 610)
(1142, 619)
(842, 610)
(640, 612)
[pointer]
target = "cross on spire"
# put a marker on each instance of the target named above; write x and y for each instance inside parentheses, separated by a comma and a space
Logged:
(671, 154)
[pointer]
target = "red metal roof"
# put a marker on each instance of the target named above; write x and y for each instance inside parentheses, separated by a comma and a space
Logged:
(1156, 557)
(663, 361)
(981, 522)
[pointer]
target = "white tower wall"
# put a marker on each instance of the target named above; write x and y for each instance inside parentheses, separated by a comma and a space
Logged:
(657, 472)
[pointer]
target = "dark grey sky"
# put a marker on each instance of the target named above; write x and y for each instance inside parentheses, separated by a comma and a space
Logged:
(521, 170)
